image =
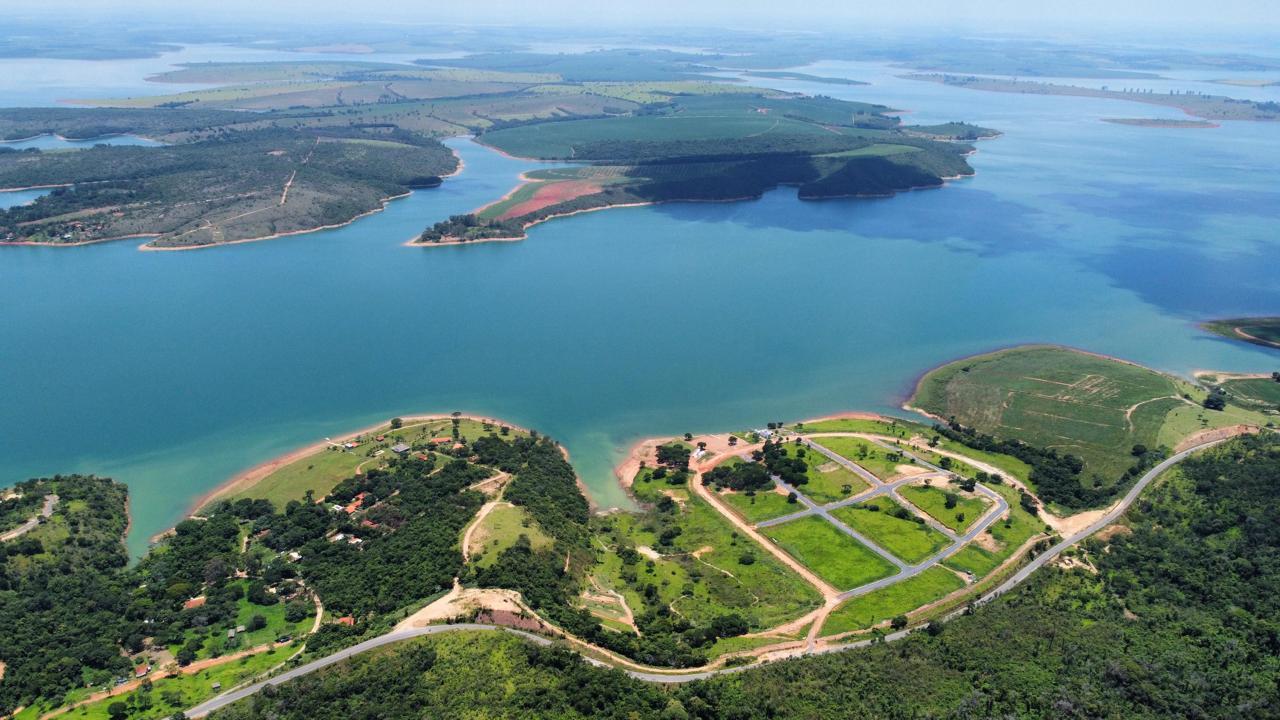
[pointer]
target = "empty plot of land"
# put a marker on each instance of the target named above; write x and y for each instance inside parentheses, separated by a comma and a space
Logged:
(909, 540)
(890, 601)
(964, 511)
(832, 554)
(877, 460)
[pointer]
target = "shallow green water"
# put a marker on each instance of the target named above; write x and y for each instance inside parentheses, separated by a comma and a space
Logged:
(173, 371)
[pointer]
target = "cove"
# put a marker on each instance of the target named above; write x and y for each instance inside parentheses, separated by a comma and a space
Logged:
(173, 371)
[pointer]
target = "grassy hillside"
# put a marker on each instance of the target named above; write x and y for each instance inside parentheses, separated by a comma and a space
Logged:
(1074, 404)
(1264, 331)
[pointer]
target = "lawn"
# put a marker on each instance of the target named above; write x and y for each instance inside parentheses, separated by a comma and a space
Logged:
(909, 540)
(899, 598)
(500, 529)
(829, 481)
(1009, 533)
(933, 500)
(865, 453)
(763, 505)
(833, 555)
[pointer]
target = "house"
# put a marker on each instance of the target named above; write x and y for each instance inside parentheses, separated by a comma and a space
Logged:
(347, 620)
(231, 633)
(294, 555)
(239, 628)
(400, 448)
(193, 603)
(350, 445)
(217, 686)
(142, 671)
(355, 503)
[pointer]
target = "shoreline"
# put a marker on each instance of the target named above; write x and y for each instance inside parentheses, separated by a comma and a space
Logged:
(36, 187)
(148, 247)
(246, 479)
(78, 243)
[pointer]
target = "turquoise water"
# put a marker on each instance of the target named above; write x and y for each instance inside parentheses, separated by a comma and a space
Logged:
(172, 371)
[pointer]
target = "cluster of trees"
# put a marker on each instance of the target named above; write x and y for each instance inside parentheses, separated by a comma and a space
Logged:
(1179, 621)
(471, 227)
(1056, 476)
(64, 607)
(742, 477)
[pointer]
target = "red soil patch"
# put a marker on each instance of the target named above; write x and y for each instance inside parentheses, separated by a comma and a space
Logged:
(552, 193)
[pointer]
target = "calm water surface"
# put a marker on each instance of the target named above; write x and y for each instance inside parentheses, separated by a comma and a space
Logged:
(172, 371)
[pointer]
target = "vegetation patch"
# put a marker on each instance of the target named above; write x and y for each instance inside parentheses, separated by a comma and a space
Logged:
(894, 528)
(834, 555)
(891, 601)
(950, 507)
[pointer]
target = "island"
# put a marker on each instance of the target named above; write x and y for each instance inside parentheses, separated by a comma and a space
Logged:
(1161, 123)
(1209, 107)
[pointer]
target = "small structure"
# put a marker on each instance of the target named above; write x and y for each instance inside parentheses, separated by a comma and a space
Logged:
(193, 603)
(231, 634)
(355, 503)
(239, 628)
(294, 555)
(346, 620)
(400, 448)
(142, 671)
(217, 686)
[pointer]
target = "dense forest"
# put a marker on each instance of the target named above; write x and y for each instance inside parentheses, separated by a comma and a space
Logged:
(63, 597)
(1174, 615)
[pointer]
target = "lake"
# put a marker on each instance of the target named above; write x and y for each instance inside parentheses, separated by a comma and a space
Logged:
(172, 371)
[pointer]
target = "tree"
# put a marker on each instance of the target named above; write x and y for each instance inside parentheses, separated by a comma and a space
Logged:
(792, 498)
(397, 423)
(733, 441)
(118, 710)
(257, 622)
(295, 611)
(1138, 450)
(898, 622)
(951, 500)
(1215, 402)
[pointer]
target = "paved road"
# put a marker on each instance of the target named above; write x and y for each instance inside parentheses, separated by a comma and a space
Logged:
(659, 677)
(50, 502)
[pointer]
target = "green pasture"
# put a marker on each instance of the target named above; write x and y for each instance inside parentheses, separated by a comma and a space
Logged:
(833, 555)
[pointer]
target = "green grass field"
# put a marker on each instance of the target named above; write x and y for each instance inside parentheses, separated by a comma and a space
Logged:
(828, 480)
(909, 540)
(1071, 401)
(900, 598)
(876, 150)
(933, 500)
(833, 555)
(896, 428)
(764, 505)
(1257, 392)
(557, 140)
(865, 453)
(500, 529)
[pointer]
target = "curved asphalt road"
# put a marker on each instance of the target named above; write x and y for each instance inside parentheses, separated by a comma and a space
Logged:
(396, 636)
(50, 501)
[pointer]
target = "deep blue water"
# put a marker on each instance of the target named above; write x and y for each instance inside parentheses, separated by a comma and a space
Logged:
(172, 371)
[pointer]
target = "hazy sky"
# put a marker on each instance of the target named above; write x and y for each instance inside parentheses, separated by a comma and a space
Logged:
(1044, 15)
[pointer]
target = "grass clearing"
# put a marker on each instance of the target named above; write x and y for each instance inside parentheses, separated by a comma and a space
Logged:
(864, 453)
(933, 500)
(909, 540)
(500, 529)
(833, 555)
(874, 150)
(888, 602)
(760, 506)
(1009, 534)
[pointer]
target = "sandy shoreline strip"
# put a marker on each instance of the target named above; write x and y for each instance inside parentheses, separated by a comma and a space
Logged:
(248, 478)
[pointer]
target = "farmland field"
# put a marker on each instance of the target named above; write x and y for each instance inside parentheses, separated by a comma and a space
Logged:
(833, 555)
